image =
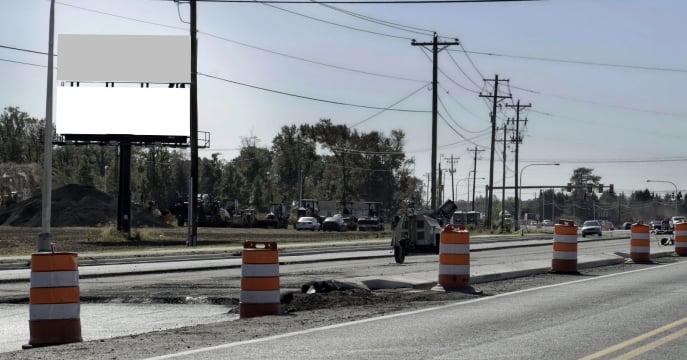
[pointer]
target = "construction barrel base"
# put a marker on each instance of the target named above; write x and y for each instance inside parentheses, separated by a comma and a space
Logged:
(253, 310)
(564, 266)
(54, 332)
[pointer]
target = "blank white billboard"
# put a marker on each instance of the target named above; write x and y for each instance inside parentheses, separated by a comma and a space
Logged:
(124, 58)
(123, 110)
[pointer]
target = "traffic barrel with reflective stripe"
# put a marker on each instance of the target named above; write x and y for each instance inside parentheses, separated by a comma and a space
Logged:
(681, 238)
(259, 279)
(54, 303)
(454, 256)
(564, 247)
(640, 245)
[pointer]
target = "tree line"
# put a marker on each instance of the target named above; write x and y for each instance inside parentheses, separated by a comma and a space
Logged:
(324, 161)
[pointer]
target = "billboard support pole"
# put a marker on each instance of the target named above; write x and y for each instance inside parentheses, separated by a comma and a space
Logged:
(45, 237)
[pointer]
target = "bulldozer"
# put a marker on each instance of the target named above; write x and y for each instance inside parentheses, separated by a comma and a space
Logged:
(277, 217)
(418, 230)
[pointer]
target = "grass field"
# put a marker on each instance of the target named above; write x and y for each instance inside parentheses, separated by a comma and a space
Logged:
(17, 241)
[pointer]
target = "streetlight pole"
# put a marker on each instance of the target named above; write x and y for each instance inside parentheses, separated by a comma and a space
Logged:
(669, 182)
(518, 192)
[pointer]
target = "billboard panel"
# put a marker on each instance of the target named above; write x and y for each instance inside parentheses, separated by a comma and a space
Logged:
(124, 58)
(123, 110)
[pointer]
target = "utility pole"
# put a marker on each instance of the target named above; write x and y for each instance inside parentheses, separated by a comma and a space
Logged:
(495, 96)
(428, 179)
(193, 197)
(503, 186)
(474, 174)
(517, 139)
(452, 170)
(435, 94)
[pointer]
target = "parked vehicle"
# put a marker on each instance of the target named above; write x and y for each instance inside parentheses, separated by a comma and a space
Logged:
(626, 226)
(334, 223)
(591, 227)
(547, 223)
(308, 223)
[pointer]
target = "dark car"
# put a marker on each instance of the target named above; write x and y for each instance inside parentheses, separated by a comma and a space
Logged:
(334, 223)
(591, 227)
(626, 225)
(656, 224)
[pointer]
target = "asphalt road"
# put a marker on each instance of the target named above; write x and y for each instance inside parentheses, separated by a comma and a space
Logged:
(639, 314)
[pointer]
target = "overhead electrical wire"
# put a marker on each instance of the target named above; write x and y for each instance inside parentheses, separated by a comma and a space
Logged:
(394, 104)
(371, 2)
(330, 22)
(390, 24)
(311, 61)
(455, 122)
(311, 98)
(579, 62)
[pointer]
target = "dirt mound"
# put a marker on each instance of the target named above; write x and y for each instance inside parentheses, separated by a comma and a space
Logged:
(73, 205)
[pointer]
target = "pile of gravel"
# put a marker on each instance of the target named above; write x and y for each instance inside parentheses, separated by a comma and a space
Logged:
(73, 205)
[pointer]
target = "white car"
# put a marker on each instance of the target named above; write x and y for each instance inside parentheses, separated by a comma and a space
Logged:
(308, 223)
(674, 220)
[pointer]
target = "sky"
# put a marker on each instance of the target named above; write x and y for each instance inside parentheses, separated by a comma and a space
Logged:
(605, 78)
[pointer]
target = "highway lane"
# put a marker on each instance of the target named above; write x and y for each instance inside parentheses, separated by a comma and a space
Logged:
(317, 266)
(639, 314)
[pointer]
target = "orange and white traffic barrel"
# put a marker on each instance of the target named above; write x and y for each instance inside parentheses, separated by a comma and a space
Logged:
(640, 244)
(54, 303)
(454, 256)
(259, 279)
(681, 238)
(564, 247)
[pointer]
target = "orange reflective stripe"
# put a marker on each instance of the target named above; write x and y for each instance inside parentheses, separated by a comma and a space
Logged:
(462, 237)
(639, 242)
(54, 262)
(454, 259)
(565, 229)
(256, 256)
(558, 246)
(639, 228)
(259, 283)
(59, 295)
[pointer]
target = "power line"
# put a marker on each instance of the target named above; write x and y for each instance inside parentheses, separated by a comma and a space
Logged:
(311, 98)
(122, 17)
(392, 25)
(396, 2)
(269, 3)
(579, 62)
(311, 61)
(394, 104)
(23, 63)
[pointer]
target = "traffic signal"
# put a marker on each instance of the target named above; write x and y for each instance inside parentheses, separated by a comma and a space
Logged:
(610, 188)
(601, 188)
(590, 188)
(569, 187)
(679, 195)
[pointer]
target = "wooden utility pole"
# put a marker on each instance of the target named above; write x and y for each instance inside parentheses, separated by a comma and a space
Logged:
(193, 194)
(452, 170)
(435, 70)
(474, 175)
(517, 139)
(495, 96)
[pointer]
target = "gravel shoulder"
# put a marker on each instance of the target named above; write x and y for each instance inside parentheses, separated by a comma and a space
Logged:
(303, 311)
